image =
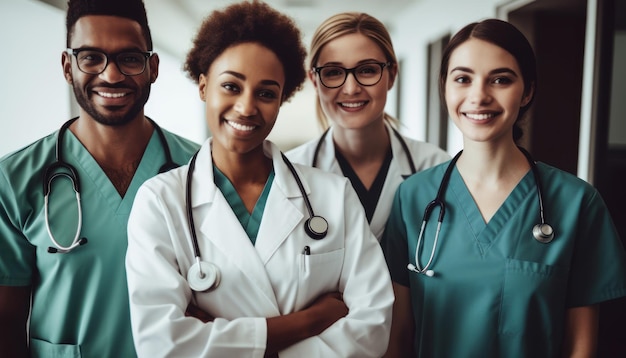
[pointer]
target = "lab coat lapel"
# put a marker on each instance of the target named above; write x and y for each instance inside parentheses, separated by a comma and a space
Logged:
(219, 225)
(281, 217)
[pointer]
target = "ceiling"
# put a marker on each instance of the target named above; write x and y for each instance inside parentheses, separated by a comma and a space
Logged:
(173, 23)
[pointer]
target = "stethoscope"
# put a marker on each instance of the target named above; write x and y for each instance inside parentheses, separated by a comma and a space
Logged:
(203, 275)
(405, 148)
(51, 173)
(542, 232)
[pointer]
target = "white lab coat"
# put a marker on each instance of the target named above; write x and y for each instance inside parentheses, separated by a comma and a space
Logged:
(425, 155)
(270, 279)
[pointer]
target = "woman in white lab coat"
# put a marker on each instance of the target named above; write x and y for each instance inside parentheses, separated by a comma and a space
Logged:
(267, 286)
(362, 143)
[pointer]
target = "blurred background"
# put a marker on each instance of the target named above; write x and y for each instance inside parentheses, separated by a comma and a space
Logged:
(577, 123)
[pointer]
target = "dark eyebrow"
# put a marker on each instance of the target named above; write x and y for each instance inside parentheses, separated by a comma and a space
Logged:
(243, 78)
(503, 70)
(492, 72)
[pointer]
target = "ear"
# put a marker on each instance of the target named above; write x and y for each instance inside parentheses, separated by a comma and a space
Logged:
(528, 96)
(202, 83)
(154, 67)
(313, 78)
(66, 64)
(393, 73)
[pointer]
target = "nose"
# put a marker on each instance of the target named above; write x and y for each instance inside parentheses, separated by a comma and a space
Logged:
(351, 86)
(246, 105)
(479, 93)
(112, 73)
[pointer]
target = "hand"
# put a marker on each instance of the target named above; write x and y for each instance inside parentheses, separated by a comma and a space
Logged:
(283, 331)
(196, 312)
(326, 310)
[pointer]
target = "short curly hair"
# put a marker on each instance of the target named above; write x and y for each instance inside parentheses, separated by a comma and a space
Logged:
(249, 22)
(130, 9)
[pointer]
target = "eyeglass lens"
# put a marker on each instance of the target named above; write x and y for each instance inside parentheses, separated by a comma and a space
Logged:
(367, 74)
(95, 62)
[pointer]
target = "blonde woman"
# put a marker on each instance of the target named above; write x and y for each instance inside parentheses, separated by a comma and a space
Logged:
(352, 67)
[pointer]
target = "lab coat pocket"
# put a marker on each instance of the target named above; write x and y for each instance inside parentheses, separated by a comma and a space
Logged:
(319, 273)
(533, 297)
(41, 348)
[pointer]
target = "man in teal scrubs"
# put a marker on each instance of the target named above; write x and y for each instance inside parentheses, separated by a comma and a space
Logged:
(79, 298)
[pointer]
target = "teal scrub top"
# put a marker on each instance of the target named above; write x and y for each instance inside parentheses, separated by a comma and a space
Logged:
(80, 298)
(498, 292)
(251, 222)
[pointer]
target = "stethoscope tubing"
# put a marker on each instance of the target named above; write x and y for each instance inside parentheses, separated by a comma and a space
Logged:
(76, 241)
(190, 220)
(539, 235)
(405, 148)
(205, 276)
(50, 174)
(437, 202)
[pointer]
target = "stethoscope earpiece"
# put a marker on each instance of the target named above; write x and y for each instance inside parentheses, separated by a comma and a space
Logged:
(543, 233)
(429, 273)
(203, 276)
(316, 227)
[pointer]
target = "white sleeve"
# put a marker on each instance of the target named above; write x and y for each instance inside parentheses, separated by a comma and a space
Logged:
(366, 286)
(159, 294)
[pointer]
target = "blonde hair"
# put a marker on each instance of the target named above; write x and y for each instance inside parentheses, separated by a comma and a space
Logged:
(350, 23)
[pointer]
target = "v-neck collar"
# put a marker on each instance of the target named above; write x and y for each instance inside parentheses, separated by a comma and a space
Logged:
(486, 234)
(369, 198)
(250, 222)
(89, 169)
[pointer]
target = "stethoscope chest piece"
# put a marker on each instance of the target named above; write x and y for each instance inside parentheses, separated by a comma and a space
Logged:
(543, 233)
(316, 227)
(203, 276)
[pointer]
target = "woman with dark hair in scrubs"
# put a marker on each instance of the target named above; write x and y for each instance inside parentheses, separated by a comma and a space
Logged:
(490, 282)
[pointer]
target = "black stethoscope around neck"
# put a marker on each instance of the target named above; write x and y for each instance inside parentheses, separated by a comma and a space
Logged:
(405, 148)
(542, 232)
(204, 275)
(52, 172)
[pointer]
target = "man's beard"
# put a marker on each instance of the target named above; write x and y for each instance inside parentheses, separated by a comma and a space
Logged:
(113, 119)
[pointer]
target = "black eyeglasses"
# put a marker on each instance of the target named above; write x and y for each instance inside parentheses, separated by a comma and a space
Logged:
(367, 74)
(94, 62)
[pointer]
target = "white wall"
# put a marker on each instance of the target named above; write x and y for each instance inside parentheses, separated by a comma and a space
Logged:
(35, 97)
(174, 101)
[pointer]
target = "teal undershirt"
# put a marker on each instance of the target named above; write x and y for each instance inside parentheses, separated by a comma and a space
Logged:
(249, 222)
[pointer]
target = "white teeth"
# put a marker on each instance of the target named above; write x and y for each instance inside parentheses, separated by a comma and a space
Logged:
(111, 95)
(479, 116)
(353, 105)
(240, 127)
